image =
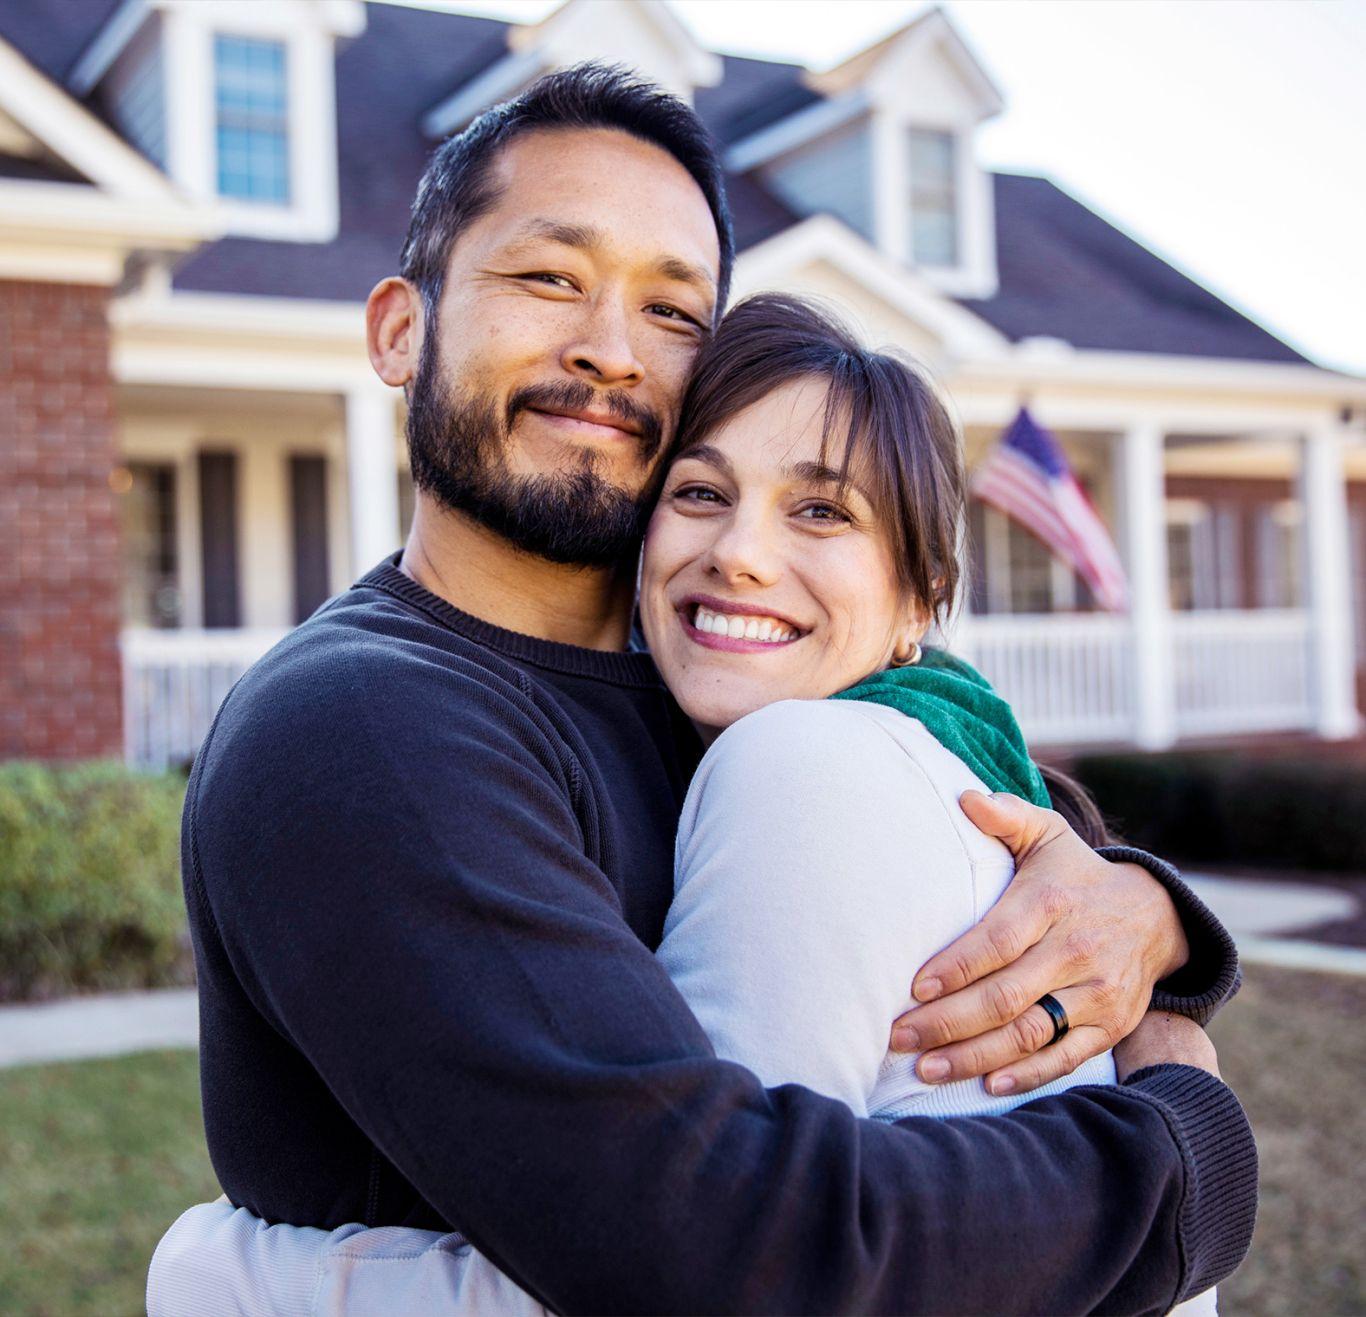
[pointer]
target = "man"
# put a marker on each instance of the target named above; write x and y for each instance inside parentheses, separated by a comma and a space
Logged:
(427, 850)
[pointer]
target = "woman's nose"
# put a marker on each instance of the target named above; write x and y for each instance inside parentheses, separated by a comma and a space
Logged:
(744, 552)
(601, 351)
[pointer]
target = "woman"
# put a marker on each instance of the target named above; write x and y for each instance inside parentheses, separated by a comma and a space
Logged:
(803, 545)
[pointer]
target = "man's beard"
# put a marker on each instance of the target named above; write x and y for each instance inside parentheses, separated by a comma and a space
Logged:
(458, 452)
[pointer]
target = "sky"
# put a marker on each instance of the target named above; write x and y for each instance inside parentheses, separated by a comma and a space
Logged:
(1227, 135)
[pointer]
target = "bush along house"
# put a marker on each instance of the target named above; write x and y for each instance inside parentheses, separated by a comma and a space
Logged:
(197, 195)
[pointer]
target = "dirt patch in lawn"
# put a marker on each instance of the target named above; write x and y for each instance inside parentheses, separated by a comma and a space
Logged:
(1293, 1047)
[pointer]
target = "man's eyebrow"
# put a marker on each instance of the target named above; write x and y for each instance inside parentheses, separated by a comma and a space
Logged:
(584, 237)
(671, 267)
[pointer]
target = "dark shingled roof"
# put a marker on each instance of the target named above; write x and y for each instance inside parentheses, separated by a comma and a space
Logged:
(1064, 271)
(1067, 273)
(752, 94)
(53, 34)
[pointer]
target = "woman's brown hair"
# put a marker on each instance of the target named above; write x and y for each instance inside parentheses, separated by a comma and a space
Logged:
(898, 436)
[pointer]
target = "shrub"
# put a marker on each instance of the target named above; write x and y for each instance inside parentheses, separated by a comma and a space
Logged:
(89, 879)
(1286, 810)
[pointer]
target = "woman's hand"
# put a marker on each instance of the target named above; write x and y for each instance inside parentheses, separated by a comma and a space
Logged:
(1162, 1037)
(1096, 934)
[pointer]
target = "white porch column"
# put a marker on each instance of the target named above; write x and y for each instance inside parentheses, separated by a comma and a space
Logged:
(1323, 488)
(371, 474)
(1143, 494)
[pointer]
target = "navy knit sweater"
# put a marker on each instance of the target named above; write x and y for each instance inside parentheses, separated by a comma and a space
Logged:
(426, 861)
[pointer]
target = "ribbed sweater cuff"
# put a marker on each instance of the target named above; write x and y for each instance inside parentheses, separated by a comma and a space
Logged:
(1211, 975)
(1219, 1206)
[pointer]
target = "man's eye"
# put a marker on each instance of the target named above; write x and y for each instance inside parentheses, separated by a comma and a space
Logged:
(671, 313)
(555, 280)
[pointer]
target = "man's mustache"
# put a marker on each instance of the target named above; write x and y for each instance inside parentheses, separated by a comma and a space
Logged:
(575, 395)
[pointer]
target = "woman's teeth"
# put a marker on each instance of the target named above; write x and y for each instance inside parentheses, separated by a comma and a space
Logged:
(743, 628)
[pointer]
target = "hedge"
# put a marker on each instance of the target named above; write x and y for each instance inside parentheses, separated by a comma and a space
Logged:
(89, 880)
(1288, 811)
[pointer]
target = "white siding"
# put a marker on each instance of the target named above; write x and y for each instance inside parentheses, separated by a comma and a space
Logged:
(832, 174)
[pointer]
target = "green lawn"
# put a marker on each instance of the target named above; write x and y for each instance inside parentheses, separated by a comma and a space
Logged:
(97, 1157)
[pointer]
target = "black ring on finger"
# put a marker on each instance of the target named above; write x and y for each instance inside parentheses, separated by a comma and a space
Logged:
(1054, 1010)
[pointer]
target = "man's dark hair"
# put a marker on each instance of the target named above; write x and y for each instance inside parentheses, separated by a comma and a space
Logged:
(456, 188)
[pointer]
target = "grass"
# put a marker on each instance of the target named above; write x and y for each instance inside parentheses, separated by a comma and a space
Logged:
(98, 1157)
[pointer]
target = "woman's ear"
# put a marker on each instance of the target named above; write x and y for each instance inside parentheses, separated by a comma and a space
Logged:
(906, 650)
(393, 330)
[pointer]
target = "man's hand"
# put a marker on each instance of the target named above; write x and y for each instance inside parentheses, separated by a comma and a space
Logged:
(1096, 934)
(1162, 1037)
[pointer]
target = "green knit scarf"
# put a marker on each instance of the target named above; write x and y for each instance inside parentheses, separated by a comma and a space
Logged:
(962, 712)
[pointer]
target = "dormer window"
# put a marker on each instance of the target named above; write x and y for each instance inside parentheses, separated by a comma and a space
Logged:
(251, 112)
(934, 197)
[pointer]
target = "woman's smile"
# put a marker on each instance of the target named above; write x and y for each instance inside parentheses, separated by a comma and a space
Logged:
(734, 627)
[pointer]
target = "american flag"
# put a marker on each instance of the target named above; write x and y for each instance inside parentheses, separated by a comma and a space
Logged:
(1026, 476)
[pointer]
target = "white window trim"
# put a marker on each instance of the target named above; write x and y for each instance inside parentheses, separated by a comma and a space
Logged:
(975, 273)
(191, 138)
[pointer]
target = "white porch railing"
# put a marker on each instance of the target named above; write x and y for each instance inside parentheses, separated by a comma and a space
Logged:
(173, 683)
(1069, 678)
(1245, 671)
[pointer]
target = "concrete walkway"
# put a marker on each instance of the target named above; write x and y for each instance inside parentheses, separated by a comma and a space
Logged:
(115, 1023)
(107, 1025)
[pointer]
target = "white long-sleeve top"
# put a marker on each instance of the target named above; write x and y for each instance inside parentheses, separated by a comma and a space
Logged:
(822, 858)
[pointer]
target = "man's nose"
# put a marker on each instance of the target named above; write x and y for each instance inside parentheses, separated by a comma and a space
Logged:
(601, 349)
(745, 550)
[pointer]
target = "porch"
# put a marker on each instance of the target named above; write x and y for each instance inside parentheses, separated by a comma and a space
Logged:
(250, 518)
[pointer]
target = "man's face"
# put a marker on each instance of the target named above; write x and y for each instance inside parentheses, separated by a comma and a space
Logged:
(568, 325)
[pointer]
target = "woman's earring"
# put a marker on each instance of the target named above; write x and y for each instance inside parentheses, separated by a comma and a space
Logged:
(911, 658)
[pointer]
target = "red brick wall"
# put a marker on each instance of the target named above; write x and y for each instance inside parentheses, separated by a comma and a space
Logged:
(60, 689)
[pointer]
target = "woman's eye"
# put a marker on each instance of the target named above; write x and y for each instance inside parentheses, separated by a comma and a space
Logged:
(696, 494)
(824, 512)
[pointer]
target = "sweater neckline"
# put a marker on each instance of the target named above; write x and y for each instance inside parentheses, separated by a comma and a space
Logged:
(620, 667)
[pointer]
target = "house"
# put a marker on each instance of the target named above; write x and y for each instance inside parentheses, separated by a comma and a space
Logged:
(197, 195)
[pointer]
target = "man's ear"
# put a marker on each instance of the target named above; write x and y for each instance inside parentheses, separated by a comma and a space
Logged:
(393, 330)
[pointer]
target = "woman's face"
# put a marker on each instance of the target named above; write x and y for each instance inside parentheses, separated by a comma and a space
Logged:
(760, 581)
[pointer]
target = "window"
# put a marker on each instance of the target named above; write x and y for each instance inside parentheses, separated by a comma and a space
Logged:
(1204, 554)
(1280, 554)
(251, 109)
(934, 198)
(1015, 572)
(151, 583)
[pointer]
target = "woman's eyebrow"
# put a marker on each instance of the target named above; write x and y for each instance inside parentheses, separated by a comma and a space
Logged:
(818, 473)
(710, 455)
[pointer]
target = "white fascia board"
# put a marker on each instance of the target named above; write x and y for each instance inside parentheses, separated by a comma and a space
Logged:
(824, 238)
(107, 45)
(704, 67)
(226, 314)
(79, 213)
(1207, 375)
(70, 131)
(796, 130)
(990, 95)
(500, 80)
